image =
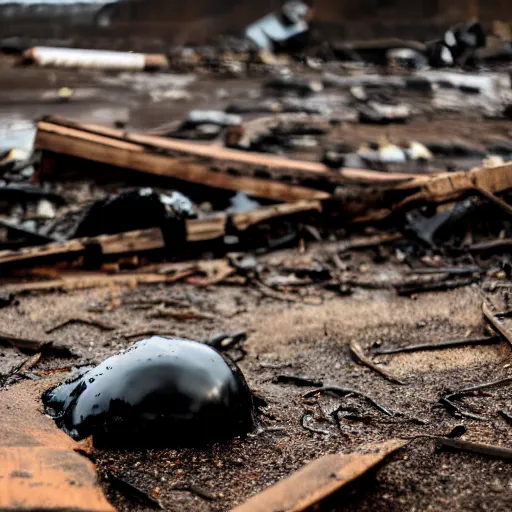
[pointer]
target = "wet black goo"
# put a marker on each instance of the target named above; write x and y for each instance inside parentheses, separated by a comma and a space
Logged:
(160, 391)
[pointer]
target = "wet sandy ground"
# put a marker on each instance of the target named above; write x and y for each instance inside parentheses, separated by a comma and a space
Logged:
(308, 341)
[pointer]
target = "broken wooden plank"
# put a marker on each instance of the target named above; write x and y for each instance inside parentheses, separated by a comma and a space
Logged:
(134, 156)
(208, 228)
(446, 187)
(83, 280)
(39, 467)
(236, 158)
(318, 480)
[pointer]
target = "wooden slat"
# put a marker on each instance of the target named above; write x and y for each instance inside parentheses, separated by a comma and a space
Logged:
(39, 467)
(217, 153)
(318, 480)
(150, 239)
(68, 141)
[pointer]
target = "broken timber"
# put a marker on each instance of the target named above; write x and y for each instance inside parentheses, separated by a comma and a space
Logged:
(204, 164)
(151, 239)
(39, 466)
(318, 480)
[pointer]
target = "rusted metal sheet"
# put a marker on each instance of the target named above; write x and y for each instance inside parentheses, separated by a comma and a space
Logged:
(45, 56)
(318, 480)
(39, 467)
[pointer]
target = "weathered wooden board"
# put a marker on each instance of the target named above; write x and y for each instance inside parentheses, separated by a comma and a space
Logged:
(39, 467)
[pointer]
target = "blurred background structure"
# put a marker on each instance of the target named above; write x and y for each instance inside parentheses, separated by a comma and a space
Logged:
(198, 21)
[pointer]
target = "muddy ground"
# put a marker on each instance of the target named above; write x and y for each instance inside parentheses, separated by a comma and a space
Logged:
(283, 338)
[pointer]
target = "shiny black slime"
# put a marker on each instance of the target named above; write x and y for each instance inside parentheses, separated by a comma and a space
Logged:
(159, 391)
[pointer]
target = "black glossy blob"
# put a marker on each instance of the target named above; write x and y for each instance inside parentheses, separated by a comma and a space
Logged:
(166, 391)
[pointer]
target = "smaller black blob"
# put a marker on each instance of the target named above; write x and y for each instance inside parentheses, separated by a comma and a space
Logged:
(158, 392)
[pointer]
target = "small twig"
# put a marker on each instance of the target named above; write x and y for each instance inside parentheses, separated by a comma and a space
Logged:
(298, 381)
(454, 408)
(272, 294)
(132, 491)
(182, 315)
(497, 452)
(342, 392)
(448, 400)
(442, 345)
(411, 288)
(479, 387)
(26, 365)
(446, 270)
(311, 429)
(169, 301)
(148, 332)
(358, 353)
(104, 326)
(506, 416)
(493, 320)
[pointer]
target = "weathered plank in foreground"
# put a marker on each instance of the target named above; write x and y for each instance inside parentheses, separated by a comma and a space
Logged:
(39, 467)
(318, 480)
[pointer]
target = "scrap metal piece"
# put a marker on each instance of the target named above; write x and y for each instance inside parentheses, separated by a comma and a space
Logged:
(320, 479)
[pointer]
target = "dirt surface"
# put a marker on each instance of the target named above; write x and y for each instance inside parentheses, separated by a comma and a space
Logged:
(283, 338)
(308, 341)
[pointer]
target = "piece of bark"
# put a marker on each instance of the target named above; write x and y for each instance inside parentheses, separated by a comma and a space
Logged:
(39, 467)
(319, 479)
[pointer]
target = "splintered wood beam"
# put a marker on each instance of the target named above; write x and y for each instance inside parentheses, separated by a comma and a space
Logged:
(214, 154)
(131, 155)
(209, 228)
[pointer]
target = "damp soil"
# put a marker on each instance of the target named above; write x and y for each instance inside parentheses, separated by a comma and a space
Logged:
(307, 341)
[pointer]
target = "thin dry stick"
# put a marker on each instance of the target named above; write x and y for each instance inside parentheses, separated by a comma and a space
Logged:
(344, 392)
(448, 400)
(357, 350)
(488, 340)
(104, 326)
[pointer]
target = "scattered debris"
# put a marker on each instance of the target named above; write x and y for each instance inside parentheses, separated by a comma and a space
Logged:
(278, 30)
